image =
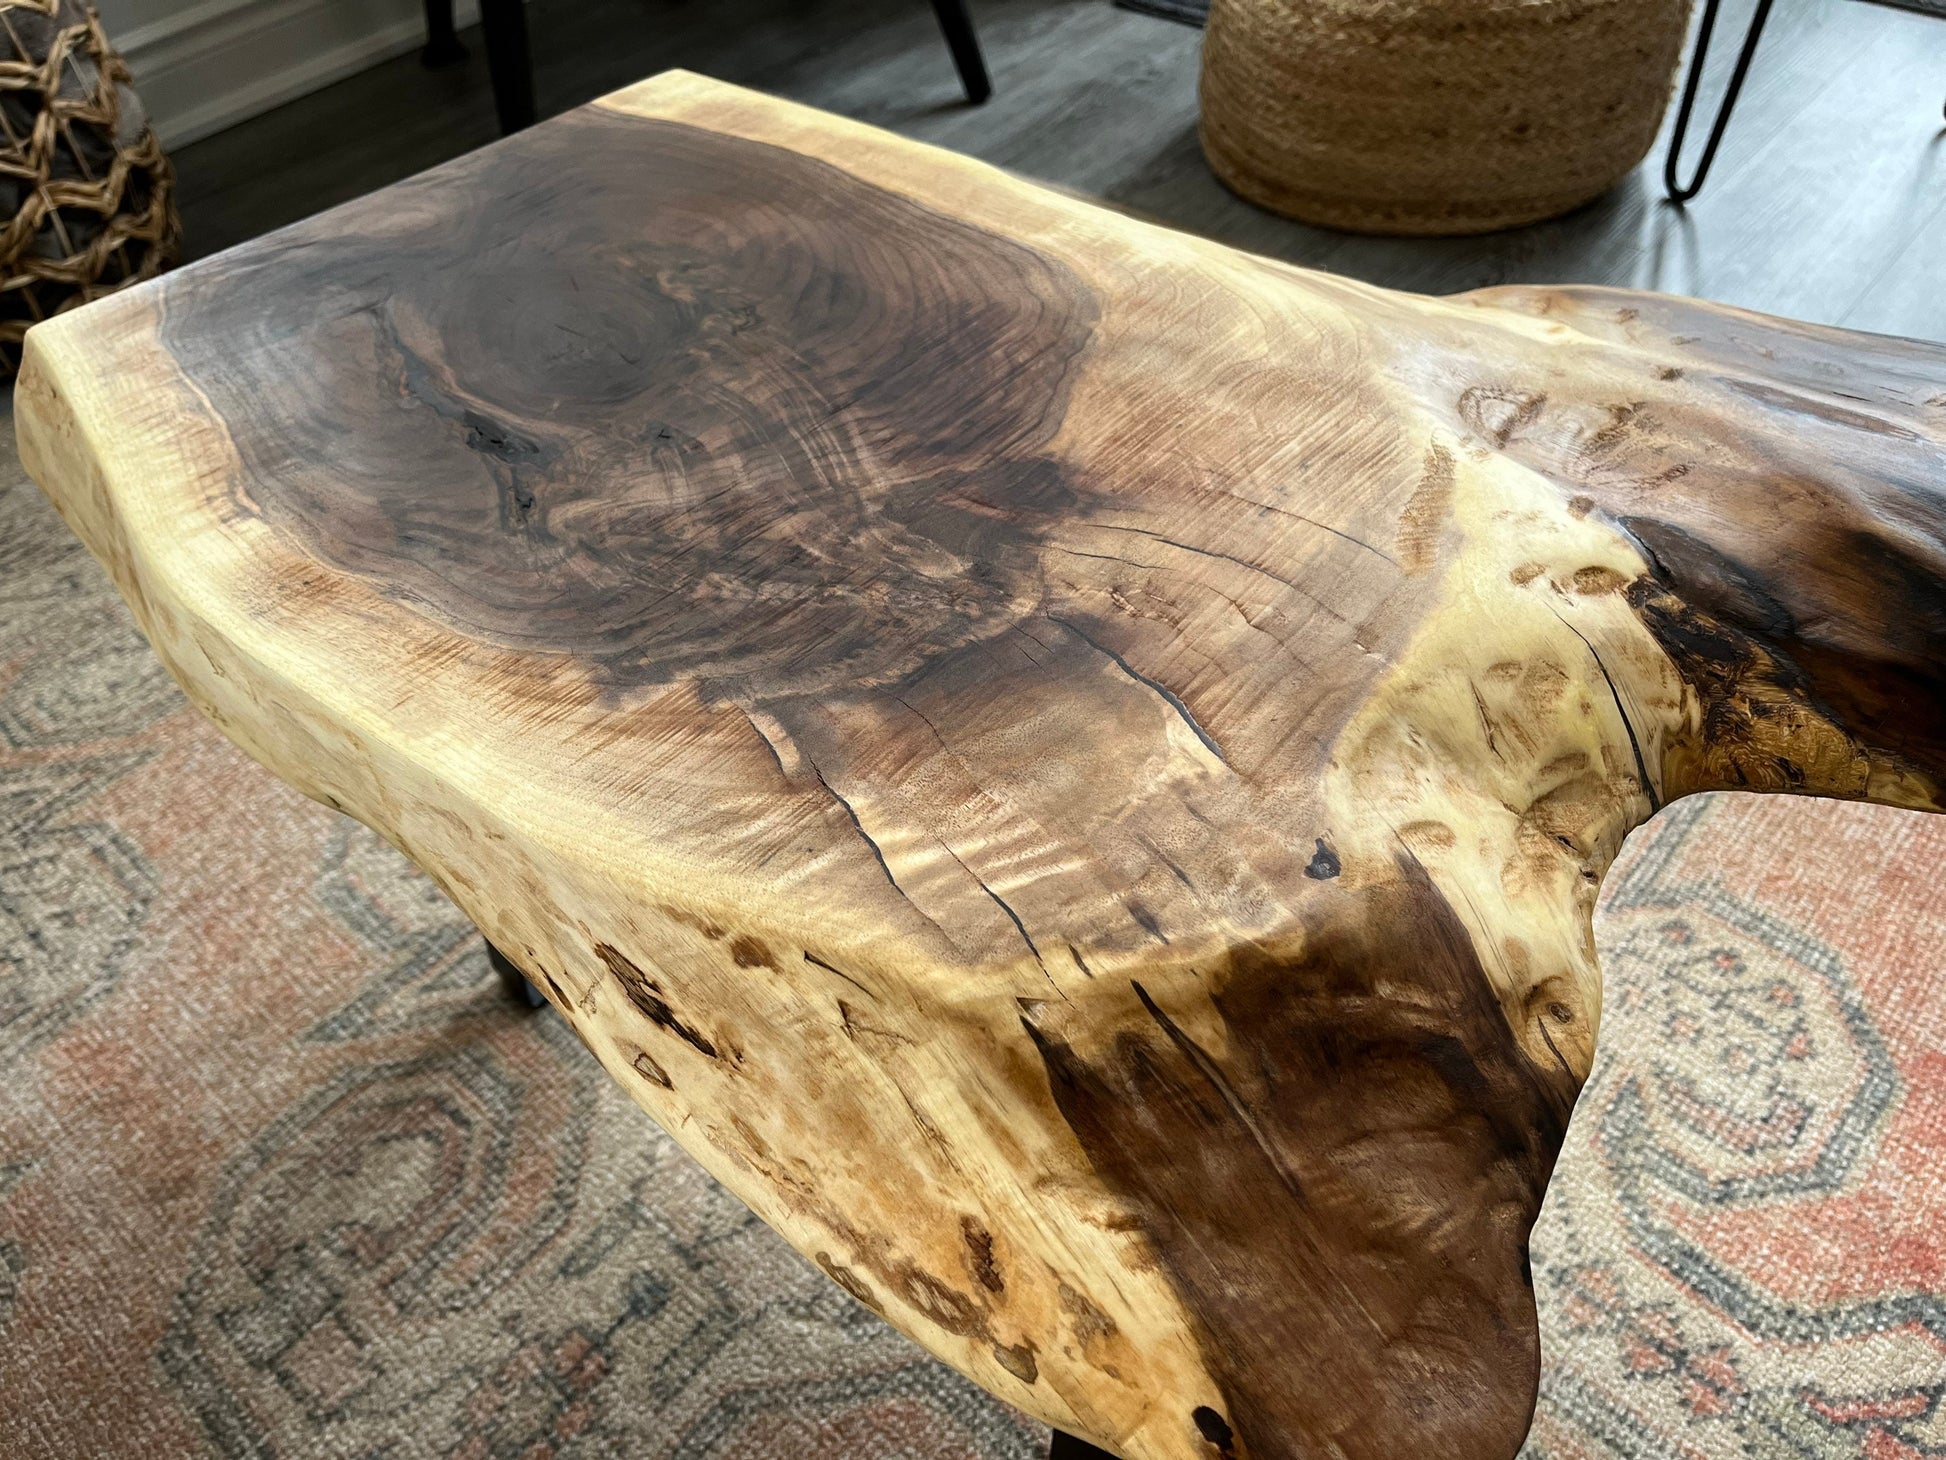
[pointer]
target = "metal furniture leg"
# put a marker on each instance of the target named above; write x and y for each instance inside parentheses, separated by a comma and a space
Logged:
(1067, 1447)
(957, 22)
(503, 26)
(514, 981)
(442, 46)
(1678, 192)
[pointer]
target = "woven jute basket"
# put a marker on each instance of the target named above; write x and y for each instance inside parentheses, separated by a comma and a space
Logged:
(86, 189)
(1434, 116)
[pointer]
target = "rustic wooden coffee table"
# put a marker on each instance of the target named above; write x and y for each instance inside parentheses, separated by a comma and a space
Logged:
(1068, 765)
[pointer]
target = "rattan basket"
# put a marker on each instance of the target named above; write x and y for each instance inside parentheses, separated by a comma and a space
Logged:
(1434, 116)
(85, 187)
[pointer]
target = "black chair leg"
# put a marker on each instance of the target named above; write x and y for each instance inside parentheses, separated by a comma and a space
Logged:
(514, 981)
(1067, 1447)
(503, 26)
(442, 46)
(965, 46)
(1679, 192)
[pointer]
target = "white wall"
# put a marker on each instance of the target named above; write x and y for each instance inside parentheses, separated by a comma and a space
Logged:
(201, 65)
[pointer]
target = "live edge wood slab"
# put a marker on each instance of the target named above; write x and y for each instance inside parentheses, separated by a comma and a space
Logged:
(1068, 765)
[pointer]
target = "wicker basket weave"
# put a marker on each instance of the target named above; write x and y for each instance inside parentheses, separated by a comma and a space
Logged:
(1434, 116)
(84, 184)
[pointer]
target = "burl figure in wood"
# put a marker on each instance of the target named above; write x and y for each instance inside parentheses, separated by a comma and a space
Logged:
(1068, 765)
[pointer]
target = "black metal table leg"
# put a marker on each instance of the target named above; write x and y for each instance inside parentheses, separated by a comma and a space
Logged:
(965, 46)
(442, 46)
(1678, 192)
(503, 26)
(514, 981)
(1067, 1447)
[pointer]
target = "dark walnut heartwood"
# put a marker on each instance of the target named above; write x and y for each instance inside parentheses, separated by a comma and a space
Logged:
(1069, 765)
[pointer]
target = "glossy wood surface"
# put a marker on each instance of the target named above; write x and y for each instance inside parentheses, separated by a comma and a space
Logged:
(1069, 765)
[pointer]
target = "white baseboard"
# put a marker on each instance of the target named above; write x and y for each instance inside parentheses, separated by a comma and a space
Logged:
(217, 62)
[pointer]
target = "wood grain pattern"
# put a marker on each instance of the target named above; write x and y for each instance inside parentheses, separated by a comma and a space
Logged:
(1070, 766)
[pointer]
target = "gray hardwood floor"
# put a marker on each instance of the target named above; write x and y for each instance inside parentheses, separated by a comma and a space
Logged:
(1828, 201)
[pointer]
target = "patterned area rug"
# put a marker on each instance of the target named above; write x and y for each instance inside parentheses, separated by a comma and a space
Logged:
(1743, 1252)
(282, 1174)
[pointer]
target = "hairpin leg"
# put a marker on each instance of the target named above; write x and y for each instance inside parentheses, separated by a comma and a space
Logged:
(1678, 192)
(955, 20)
(514, 981)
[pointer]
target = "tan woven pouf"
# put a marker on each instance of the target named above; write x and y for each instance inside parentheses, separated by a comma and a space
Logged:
(1434, 116)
